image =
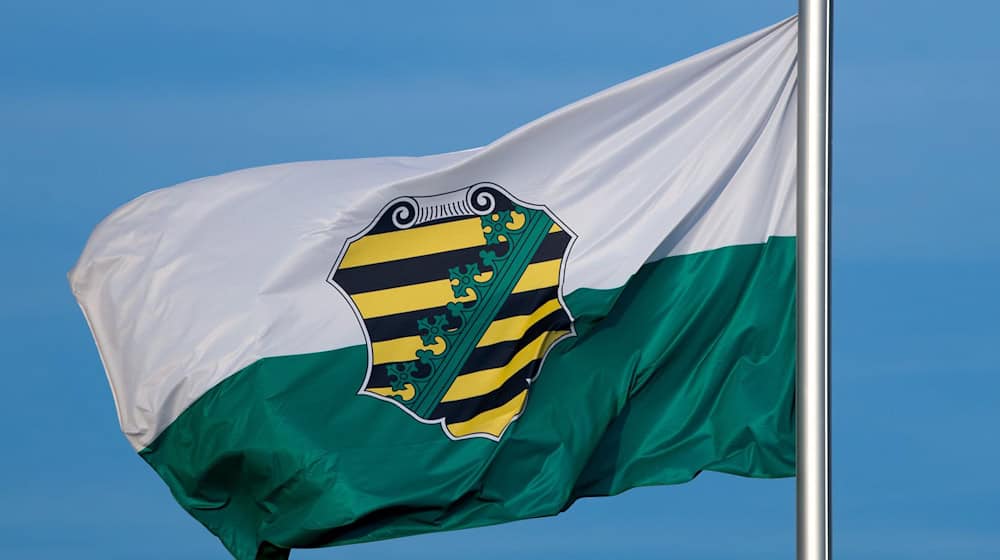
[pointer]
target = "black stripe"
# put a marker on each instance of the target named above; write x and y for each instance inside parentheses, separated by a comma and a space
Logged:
(404, 272)
(466, 409)
(405, 324)
(379, 376)
(500, 354)
(426, 268)
(553, 247)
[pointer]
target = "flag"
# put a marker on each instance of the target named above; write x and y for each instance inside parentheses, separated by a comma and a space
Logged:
(332, 352)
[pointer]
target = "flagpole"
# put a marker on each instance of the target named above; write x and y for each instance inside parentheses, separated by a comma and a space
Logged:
(813, 232)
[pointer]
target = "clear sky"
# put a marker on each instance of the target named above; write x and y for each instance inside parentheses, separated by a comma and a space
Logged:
(102, 101)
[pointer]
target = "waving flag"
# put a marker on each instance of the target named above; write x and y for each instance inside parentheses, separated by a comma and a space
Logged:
(331, 352)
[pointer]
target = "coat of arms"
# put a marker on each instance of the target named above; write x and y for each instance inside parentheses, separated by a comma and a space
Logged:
(459, 297)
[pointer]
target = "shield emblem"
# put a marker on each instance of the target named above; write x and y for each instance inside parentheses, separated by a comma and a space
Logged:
(459, 297)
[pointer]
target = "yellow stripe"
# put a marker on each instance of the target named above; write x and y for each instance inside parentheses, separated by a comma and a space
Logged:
(396, 350)
(492, 421)
(481, 382)
(539, 275)
(437, 293)
(555, 228)
(426, 295)
(426, 240)
(513, 328)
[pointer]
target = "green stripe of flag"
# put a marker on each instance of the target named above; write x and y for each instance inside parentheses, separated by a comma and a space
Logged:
(688, 367)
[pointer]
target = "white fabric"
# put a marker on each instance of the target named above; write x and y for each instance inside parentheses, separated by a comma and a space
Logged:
(185, 286)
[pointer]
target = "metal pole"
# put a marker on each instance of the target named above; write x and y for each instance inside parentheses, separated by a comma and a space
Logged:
(813, 232)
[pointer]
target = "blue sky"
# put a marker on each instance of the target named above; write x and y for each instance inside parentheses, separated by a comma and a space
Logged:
(101, 101)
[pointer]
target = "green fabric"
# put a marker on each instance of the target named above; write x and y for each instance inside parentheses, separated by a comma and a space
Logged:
(688, 367)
